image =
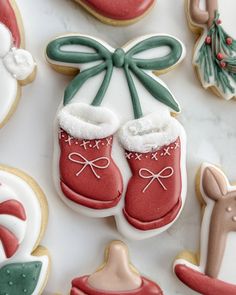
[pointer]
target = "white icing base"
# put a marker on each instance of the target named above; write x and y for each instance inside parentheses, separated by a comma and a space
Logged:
(117, 99)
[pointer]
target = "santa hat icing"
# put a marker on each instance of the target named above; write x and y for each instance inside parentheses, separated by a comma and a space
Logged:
(18, 62)
(8, 18)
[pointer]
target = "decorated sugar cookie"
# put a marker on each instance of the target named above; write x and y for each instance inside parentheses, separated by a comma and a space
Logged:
(117, 12)
(118, 149)
(23, 216)
(116, 276)
(215, 51)
(17, 66)
(212, 272)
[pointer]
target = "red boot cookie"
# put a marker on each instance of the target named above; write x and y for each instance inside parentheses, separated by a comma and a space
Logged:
(88, 174)
(153, 150)
(116, 277)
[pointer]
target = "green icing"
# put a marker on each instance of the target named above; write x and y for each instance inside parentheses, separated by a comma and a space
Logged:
(131, 65)
(19, 278)
(211, 65)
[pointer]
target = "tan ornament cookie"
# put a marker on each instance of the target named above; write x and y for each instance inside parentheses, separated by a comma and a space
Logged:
(115, 277)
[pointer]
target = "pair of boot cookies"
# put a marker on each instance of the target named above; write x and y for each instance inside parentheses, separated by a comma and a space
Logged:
(118, 149)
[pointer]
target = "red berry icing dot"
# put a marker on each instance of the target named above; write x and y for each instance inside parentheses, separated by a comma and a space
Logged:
(229, 41)
(208, 40)
(223, 64)
(220, 56)
(219, 22)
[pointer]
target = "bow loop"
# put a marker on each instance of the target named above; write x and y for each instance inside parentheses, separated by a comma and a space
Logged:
(163, 62)
(98, 163)
(69, 50)
(166, 172)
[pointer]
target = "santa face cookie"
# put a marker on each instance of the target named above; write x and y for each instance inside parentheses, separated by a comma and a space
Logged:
(118, 150)
(213, 273)
(117, 12)
(23, 216)
(116, 277)
(215, 52)
(17, 66)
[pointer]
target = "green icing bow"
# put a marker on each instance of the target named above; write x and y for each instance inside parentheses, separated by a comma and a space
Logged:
(119, 59)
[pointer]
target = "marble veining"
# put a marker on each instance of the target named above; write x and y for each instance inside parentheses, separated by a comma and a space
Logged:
(76, 243)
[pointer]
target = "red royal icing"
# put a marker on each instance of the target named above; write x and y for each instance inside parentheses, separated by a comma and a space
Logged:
(8, 18)
(81, 285)
(120, 9)
(203, 284)
(153, 196)
(88, 174)
(9, 241)
(14, 208)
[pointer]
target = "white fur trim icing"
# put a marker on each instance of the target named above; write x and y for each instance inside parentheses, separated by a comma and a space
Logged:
(87, 122)
(19, 63)
(149, 133)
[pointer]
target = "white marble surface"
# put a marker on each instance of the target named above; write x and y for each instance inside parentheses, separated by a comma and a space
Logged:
(76, 243)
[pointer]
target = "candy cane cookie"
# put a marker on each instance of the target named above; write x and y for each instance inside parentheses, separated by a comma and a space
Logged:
(24, 265)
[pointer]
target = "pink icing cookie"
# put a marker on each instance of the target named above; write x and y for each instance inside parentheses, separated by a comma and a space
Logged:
(213, 273)
(17, 66)
(117, 12)
(116, 277)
